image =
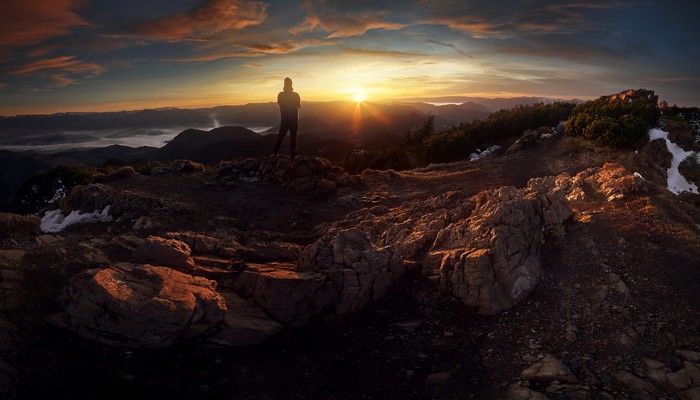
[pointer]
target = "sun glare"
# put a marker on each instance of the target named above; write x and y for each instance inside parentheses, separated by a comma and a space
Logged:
(359, 97)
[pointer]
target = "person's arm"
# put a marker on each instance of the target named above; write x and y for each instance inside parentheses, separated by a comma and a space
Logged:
(298, 101)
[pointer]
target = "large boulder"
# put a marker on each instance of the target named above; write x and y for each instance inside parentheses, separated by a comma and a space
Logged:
(136, 305)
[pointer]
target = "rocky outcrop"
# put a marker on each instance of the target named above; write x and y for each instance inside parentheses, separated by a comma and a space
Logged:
(483, 250)
(530, 138)
(141, 305)
(359, 271)
(166, 252)
(97, 196)
(304, 174)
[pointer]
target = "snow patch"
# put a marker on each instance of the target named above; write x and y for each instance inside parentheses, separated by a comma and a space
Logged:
(54, 221)
(481, 154)
(676, 182)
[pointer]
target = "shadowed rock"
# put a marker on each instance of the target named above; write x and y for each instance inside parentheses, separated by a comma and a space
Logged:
(141, 305)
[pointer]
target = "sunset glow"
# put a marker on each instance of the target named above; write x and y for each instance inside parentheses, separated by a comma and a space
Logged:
(359, 97)
(74, 55)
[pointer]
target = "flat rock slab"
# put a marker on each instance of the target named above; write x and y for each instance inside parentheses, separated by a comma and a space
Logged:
(136, 305)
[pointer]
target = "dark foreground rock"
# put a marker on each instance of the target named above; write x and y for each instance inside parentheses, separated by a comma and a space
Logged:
(141, 305)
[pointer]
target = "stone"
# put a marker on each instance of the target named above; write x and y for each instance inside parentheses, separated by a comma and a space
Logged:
(548, 369)
(197, 242)
(244, 324)
(12, 225)
(270, 251)
(360, 271)
(689, 355)
(290, 297)
(515, 391)
(165, 252)
(325, 186)
(641, 389)
(135, 305)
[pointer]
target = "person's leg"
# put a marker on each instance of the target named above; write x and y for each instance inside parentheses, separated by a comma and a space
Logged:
(293, 128)
(280, 136)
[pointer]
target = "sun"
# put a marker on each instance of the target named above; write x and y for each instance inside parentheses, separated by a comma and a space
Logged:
(359, 97)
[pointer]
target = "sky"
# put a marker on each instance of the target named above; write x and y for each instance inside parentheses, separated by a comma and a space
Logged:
(89, 55)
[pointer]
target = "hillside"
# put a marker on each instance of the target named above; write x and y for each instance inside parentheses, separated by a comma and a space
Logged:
(552, 270)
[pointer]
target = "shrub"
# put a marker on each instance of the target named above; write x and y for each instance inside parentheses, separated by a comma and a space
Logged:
(424, 146)
(41, 190)
(617, 120)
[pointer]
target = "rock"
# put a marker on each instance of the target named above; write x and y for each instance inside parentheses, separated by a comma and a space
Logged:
(13, 225)
(440, 378)
(359, 271)
(166, 252)
(304, 174)
(244, 324)
(325, 186)
(289, 296)
(529, 138)
(141, 305)
(517, 392)
(128, 243)
(97, 196)
(685, 382)
(197, 242)
(693, 356)
(548, 369)
(270, 251)
(641, 389)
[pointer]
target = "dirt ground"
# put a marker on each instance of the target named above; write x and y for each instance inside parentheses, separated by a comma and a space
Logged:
(622, 285)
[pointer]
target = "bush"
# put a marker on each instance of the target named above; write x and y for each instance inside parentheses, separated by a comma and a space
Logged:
(618, 120)
(41, 190)
(424, 146)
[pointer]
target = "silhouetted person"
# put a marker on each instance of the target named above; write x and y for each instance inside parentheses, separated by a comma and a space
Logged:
(289, 102)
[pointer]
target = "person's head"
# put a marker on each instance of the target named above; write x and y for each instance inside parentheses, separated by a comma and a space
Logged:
(288, 83)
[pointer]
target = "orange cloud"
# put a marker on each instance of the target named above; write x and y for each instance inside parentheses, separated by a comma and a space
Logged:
(212, 17)
(214, 56)
(343, 24)
(65, 63)
(25, 23)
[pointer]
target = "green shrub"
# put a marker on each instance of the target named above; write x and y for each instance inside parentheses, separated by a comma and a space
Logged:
(618, 120)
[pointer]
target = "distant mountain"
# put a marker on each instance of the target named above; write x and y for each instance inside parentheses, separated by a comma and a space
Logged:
(192, 139)
(493, 104)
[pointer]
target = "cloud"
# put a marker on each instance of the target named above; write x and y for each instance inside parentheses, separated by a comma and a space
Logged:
(26, 23)
(252, 65)
(277, 48)
(339, 23)
(481, 19)
(214, 56)
(59, 71)
(65, 63)
(212, 17)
